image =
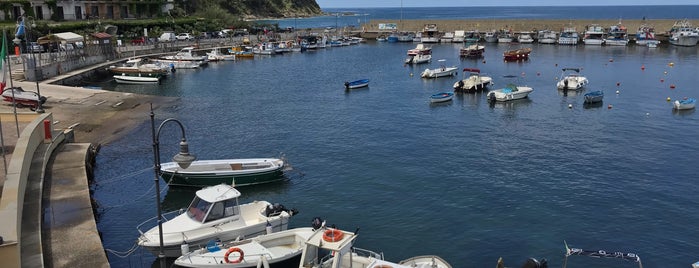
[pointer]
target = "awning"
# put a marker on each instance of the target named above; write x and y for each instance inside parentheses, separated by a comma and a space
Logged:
(101, 35)
(66, 37)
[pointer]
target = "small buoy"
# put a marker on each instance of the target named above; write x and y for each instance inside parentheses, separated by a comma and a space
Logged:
(668, 99)
(643, 67)
(411, 74)
(617, 92)
(556, 64)
(672, 85)
(671, 64)
(483, 61)
(665, 72)
(647, 114)
(611, 60)
(538, 73)
(570, 106)
(523, 74)
(618, 84)
(662, 80)
(609, 106)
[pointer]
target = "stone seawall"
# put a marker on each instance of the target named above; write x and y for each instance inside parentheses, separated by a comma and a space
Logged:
(517, 25)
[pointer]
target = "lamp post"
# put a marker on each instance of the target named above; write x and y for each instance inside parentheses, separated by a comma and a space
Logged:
(183, 159)
(39, 108)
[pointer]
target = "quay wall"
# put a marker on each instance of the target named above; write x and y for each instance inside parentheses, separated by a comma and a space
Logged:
(517, 25)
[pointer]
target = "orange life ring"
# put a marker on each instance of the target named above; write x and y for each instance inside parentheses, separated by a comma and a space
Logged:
(230, 250)
(333, 235)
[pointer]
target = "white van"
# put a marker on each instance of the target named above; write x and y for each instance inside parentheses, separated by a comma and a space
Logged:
(167, 37)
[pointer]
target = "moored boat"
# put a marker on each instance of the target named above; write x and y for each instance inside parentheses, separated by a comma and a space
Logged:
(594, 96)
(238, 172)
(420, 49)
(419, 58)
(617, 35)
(475, 81)
(441, 97)
(547, 37)
(214, 213)
(357, 84)
(509, 92)
(141, 67)
(645, 36)
(491, 36)
(335, 248)
(598, 254)
(472, 50)
(442, 71)
(136, 79)
(186, 54)
(525, 37)
(517, 54)
(683, 34)
(264, 250)
(568, 36)
(216, 55)
(684, 104)
(594, 35)
(571, 79)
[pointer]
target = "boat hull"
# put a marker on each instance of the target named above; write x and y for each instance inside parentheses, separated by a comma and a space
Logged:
(684, 104)
(357, 84)
(684, 41)
(441, 97)
(508, 94)
(236, 173)
(136, 80)
(594, 97)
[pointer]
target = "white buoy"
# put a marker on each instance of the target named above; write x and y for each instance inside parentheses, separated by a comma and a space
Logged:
(617, 92)
(570, 106)
(184, 248)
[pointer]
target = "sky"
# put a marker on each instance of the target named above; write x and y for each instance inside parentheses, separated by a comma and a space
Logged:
(456, 3)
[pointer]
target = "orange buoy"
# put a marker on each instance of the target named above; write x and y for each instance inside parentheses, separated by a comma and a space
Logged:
(672, 86)
(662, 80)
(671, 64)
(609, 106)
(611, 60)
(643, 67)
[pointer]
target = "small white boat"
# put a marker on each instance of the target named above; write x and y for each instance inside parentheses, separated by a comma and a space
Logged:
(474, 82)
(261, 251)
(214, 213)
(442, 71)
(216, 55)
(594, 96)
(525, 37)
(419, 58)
(136, 79)
(547, 37)
(420, 49)
(571, 79)
(617, 35)
(441, 97)
(236, 172)
(594, 35)
(508, 93)
(334, 248)
(684, 104)
(20, 97)
(186, 54)
(569, 36)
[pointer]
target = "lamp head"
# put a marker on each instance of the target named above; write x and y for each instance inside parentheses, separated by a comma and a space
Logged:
(183, 158)
(17, 41)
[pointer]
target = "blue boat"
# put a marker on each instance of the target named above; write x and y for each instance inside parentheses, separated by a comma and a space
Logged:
(594, 96)
(441, 97)
(685, 104)
(357, 84)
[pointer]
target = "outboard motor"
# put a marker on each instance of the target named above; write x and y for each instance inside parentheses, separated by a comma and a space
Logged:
(316, 223)
(346, 85)
(276, 209)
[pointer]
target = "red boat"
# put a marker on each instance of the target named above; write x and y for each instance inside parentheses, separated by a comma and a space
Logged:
(21, 97)
(517, 54)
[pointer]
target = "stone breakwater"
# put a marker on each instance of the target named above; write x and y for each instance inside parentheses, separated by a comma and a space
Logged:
(518, 25)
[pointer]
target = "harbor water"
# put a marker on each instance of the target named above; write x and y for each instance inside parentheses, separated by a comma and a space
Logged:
(466, 180)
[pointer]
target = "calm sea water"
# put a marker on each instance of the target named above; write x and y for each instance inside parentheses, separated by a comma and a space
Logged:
(465, 180)
(354, 17)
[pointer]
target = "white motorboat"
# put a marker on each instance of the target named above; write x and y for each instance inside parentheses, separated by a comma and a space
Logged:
(19, 97)
(264, 250)
(617, 36)
(547, 37)
(334, 248)
(213, 214)
(645, 36)
(491, 36)
(474, 82)
(508, 93)
(569, 36)
(420, 49)
(594, 35)
(136, 79)
(525, 37)
(186, 54)
(571, 79)
(141, 67)
(442, 71)
(683, 34)
(505, 37)
(216, 55)
(684, 104)
(419, 58)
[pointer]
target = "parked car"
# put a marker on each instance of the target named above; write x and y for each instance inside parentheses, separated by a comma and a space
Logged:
(184, 36)
(138, 41)
(167, 37)
(35, 47)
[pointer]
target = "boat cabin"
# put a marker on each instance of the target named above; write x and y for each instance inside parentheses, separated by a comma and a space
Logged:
(320, 251)
(214, 203)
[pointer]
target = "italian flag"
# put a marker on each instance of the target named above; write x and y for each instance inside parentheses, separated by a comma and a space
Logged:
(3, 63)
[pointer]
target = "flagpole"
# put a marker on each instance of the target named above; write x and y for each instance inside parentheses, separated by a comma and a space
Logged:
(6, 58)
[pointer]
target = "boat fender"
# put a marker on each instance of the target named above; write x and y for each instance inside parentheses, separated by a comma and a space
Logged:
(184, 248)
(265, 263)
(333, 235)
(268, 228)
(231, 250)
(316, 223)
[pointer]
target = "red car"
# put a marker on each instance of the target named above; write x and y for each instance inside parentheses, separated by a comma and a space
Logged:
(139, 41)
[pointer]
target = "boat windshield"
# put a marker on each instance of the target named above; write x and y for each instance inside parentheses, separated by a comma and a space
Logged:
(203, 211)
